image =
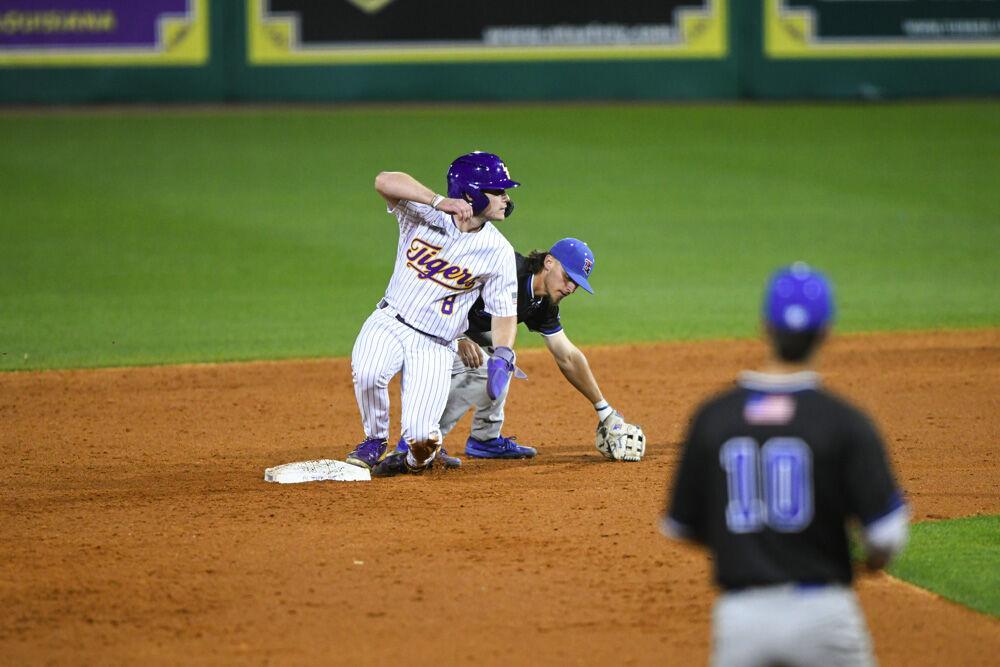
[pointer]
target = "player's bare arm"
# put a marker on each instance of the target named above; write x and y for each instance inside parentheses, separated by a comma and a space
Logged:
(574, 366)
(504, 331)
(394, 186)
(616, 439)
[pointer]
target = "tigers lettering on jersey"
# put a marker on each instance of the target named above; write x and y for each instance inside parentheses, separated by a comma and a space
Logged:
(440, 271)
(423, 259)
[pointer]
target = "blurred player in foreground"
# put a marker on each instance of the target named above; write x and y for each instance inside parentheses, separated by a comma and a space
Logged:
(770, 473)
(448, 254)
(544, 279)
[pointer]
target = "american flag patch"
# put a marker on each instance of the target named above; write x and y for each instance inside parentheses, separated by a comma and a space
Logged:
(769, 409)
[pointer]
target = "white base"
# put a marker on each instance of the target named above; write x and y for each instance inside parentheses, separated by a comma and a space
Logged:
(316, 471)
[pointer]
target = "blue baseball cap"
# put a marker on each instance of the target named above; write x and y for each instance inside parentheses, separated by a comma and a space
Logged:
(798, 298)
(577, 260)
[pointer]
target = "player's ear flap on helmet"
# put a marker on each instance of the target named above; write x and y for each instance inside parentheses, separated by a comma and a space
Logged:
(469, 174)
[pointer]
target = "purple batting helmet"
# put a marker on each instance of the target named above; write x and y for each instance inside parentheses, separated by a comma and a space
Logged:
(473, 172)
(577, 260)
(798, 298)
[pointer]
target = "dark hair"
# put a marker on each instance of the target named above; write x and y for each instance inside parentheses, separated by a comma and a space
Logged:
(795, 346)
(536, 260)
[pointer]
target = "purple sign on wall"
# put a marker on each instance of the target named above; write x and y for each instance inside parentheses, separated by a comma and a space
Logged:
(83, 23)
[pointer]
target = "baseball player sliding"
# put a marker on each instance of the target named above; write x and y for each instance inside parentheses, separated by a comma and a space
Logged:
(769, 473)
(449, 254)
(544, 279)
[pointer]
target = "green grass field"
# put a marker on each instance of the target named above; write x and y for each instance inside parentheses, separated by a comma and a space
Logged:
(959, 559)
(174, 236)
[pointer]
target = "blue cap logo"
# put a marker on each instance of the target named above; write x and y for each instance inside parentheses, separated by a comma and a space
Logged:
(798, 298)
(577, 260)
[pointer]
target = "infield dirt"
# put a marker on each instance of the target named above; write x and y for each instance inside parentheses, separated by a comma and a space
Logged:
(137, 528)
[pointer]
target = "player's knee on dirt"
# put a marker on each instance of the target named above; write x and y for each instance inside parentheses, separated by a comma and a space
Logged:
(424, 450)
(425, 446)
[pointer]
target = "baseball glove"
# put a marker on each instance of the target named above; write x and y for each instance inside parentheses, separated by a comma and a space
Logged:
(618, 440)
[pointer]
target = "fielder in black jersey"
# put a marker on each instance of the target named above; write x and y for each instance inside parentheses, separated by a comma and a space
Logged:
(544, 279)
(538, 312)
(770, 474)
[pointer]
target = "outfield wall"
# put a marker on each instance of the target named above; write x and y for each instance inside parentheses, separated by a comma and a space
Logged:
(73, 51)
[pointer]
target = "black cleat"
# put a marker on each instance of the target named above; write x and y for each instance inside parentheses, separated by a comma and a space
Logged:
(395, 464)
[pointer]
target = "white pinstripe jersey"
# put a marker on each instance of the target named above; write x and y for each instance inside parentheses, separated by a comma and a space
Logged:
(440, 271)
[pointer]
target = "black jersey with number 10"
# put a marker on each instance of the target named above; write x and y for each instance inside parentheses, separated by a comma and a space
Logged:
(770, 473)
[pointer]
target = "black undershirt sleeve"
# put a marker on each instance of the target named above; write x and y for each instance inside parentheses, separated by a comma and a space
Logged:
(686, 503)
(871, 490)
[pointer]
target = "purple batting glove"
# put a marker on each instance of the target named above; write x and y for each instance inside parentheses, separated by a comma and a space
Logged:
(498, 370)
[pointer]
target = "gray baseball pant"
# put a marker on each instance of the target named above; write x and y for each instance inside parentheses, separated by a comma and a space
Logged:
(791, 626)
(468, 389)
